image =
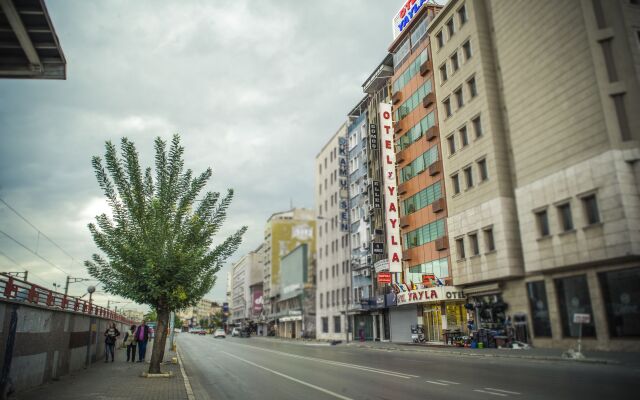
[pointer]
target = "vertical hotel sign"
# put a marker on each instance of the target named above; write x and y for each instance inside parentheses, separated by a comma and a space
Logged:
(392, 216)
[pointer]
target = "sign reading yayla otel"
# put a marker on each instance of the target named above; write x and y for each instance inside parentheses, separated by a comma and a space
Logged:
(390, 190)
(402, 19)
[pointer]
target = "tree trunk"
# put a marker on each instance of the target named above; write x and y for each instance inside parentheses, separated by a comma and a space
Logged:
(159, 342)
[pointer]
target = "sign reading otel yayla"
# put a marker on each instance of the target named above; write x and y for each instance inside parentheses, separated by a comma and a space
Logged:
(390, 190)
(430, 295)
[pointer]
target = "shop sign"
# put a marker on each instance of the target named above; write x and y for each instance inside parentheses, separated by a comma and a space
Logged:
(343, 150)
(581, 318)
(390, 190)
(373, 136)
(402, 19)
(384, 277)
(380, 301)
(377, 199)
(430, 295)
(377, 248)
(390, 299)
(428, 278)
(257, 301)
(382, 265)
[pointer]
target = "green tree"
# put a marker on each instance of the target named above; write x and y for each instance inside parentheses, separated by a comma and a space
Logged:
(151, 316)
(157, 244)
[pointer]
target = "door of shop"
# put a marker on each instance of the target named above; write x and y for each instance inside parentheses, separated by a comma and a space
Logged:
(432, 317)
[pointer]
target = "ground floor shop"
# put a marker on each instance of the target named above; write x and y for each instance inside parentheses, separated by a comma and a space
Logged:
(552, 309)
(371, 325)
(290, 327)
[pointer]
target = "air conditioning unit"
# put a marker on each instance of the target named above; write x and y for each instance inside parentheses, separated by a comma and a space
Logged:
(366, 272)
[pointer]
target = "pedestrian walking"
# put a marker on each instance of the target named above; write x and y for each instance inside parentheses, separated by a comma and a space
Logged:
(110, 337)
(130, 342)
(142, 337)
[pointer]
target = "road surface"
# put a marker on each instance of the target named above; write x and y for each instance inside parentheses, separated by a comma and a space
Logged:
(259, 368)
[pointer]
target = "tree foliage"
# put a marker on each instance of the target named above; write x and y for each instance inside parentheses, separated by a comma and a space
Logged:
(158, 243)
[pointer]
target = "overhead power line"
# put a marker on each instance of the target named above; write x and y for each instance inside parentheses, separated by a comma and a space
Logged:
(16, 241)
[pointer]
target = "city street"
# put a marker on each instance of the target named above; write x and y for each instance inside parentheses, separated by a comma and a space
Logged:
(260, 368)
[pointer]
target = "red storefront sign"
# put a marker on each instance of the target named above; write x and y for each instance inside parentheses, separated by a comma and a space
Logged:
(428, 279)
(384, 277)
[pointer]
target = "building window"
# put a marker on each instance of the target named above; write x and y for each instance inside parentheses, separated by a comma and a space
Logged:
(566, 220)
(462, 15)
(607, 51)
(539, 309)
(468, 176)
(621, 113)
(343, 295)
(460, 248)
(473, 90)
(320, 278)
(464, 138)
(443, 72)
(466, 50)
(447, 107)
(477, 126)
(590, 205)
(542, 219)
(574, 298)
(440, 39)
(327, 298)
(321, 299)
(621, 298)
(475, 248)
(489, 243)
(336, 325)
(451, 29)
(482, 168)
(325, 324)
(459, 97)
(452, 144)
(425, 234)
(455, 181)
(455, 65)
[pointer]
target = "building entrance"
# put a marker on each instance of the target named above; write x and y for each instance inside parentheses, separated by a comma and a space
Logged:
(432, 319)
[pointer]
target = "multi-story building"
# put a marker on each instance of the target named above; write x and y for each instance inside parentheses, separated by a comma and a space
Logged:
(246, 275)
(542, 155)
(284, 232)
(332, 205)
(423, 209)
(295, 296)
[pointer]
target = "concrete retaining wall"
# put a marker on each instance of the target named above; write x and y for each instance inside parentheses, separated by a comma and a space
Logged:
(50, 343)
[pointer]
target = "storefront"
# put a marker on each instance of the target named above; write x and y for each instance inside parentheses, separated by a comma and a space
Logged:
(440, 310)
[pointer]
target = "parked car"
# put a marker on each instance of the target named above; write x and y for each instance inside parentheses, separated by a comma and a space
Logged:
(219, 333)
(235, 332)
(202, 332)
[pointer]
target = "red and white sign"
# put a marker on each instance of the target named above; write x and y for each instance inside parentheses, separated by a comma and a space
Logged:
(392, 216)
(384, 277)
(428, 279)
(430, 295)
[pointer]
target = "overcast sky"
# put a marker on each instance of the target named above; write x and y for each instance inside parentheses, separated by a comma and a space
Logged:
(255, 88)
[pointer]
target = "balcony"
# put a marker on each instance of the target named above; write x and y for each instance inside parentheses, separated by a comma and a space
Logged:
(435, 168)
(397, 96)
(428, 100)
(438, 205)
(432, 133)
(425, 68)
(402, 188)
(442, 243)
(404, 222)
(401, 156)
(397, 127)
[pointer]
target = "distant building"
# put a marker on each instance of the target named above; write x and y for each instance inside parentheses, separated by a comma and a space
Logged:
(247, 281)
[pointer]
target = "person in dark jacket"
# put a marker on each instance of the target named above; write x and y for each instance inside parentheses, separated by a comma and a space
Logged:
(130, 342)
(142, 337)
(110, 337)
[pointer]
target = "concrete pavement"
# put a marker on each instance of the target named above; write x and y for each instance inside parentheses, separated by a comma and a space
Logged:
(235, 368)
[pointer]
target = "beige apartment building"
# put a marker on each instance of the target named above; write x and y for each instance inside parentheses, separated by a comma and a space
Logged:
(333, 276)
(541, 147)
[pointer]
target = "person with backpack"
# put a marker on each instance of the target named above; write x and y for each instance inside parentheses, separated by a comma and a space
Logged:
(130, 343)
(110, 337)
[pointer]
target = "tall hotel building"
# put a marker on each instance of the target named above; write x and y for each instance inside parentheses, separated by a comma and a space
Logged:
(421, 191)
(541, 156)
(333, 284)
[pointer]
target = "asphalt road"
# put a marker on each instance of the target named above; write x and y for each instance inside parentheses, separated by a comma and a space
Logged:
(257, 368)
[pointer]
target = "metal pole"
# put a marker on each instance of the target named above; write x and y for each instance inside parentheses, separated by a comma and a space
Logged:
(172, 327)
(66, 286)
(580, 339)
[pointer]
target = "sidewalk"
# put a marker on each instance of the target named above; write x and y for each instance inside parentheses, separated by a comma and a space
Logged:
(117, 380)
(544, 354)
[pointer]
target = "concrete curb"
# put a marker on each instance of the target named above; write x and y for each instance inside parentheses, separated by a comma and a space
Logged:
(160, 375)
(490, 355)
(187, 384)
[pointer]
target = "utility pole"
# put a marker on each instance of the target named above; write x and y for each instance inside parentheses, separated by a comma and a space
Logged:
(71, 280)
(22, 275)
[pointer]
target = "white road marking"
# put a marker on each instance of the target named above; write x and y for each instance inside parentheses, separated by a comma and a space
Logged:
(329, 392)
(337, 363)
(502, 390)
(438, 383)
(449, 382)
(493, 393)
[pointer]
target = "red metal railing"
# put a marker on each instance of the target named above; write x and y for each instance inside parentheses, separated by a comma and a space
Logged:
(19, 290)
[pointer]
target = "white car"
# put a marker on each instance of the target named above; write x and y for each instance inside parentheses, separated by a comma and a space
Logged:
(235, 332)
(219, 333)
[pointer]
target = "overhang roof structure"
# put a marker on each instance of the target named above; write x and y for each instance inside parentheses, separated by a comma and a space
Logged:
(29, 46)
